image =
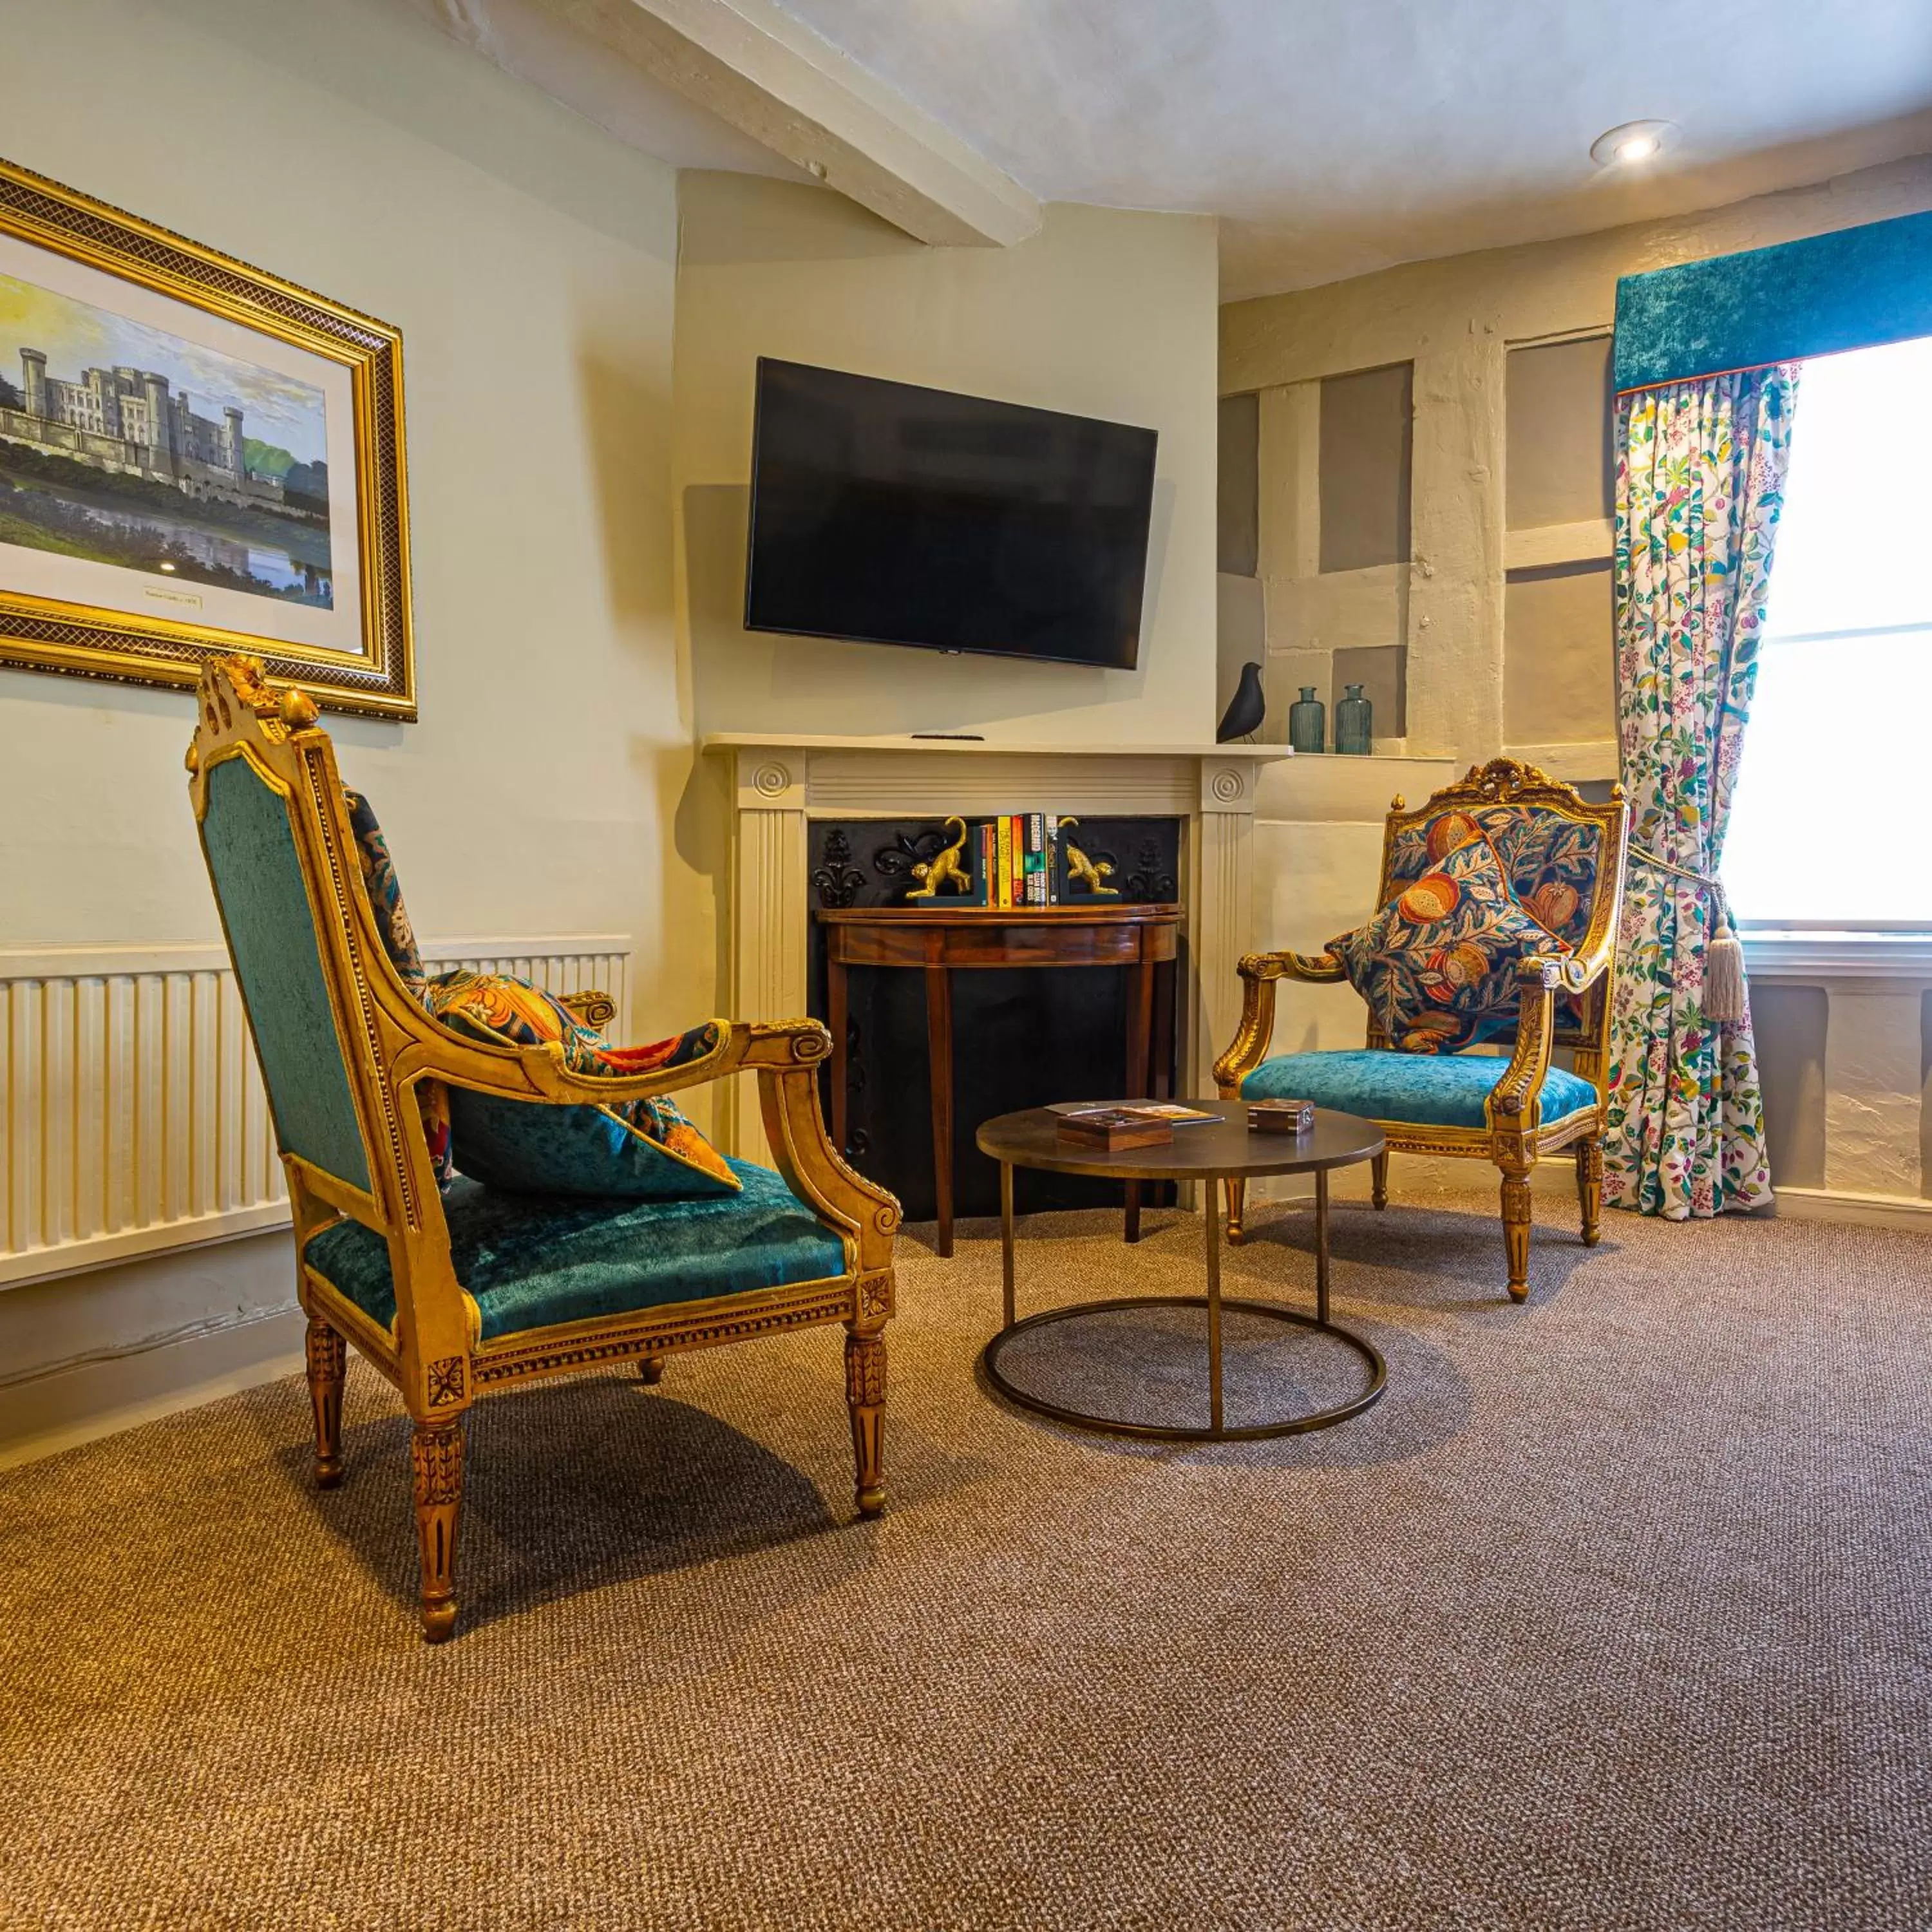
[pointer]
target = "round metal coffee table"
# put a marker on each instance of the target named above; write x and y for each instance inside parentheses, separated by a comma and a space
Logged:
(1208, 1153)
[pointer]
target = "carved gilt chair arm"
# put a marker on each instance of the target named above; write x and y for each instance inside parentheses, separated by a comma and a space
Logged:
(866, 1214)
(1259, 972)
(1538, 979)
(539, 1073)
(1576, 972)
(593, 1009)
(1318, 969)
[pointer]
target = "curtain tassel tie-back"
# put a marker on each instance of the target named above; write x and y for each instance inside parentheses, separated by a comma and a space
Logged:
(1723, 998)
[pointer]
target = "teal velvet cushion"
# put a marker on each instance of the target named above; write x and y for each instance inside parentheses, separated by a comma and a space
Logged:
(531, 1262)
(1422, 1089)
(528, 1147)
(1438, 964)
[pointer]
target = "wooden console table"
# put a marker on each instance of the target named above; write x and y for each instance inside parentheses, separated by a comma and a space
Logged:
(938, 939)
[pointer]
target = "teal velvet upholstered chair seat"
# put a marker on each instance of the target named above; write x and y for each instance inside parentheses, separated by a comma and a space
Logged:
(451, 1295)
(1563, 862)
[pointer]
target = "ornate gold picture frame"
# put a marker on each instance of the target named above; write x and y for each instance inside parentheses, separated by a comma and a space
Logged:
(196, 457)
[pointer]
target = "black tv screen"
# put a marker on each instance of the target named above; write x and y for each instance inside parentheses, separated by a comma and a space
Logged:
(897, 515)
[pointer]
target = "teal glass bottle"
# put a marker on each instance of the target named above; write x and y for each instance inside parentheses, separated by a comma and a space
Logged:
(1354, 724)
(1307, 722)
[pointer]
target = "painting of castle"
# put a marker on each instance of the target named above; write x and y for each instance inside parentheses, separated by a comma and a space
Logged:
(123, 444)
(126, 420)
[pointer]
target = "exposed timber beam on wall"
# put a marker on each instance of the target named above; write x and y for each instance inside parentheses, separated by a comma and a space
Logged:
(766, 75)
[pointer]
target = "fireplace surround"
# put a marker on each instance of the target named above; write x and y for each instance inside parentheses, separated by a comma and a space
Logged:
(781, 787)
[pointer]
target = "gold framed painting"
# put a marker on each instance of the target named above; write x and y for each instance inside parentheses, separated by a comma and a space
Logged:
(195, 456)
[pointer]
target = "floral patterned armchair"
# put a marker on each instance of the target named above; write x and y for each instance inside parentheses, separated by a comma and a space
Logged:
(1561, 864)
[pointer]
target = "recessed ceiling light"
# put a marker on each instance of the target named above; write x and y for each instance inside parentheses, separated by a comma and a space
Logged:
(1633, 144)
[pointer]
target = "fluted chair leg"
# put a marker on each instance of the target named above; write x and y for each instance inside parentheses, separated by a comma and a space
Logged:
(436, 1456)
(1236, 1192)
(327, 1365)
(1515, 1233)
(1590, 1189)
(1379, 1168)
(865, 1395)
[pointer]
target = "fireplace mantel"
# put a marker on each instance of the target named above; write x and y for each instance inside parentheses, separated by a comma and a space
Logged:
(778, 784)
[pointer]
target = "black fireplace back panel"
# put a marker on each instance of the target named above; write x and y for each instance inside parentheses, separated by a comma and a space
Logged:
(869, 862)
(1022, 1036)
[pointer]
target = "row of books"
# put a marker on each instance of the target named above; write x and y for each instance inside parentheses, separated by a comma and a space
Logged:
(1017, 855)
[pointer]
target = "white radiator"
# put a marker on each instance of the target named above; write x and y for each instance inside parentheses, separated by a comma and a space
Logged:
(133, 1112)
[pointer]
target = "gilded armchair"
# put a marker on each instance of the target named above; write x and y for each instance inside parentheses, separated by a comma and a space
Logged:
(455, 1296)
(1563, 862)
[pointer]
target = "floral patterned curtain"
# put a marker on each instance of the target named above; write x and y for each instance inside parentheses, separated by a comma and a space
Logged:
(1700, 480)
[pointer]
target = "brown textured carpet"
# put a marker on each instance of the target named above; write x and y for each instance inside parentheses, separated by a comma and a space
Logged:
(1615, 1613)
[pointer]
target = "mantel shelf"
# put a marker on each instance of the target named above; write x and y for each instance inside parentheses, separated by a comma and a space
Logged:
(936, 912)
(737, 741)
(782, 783)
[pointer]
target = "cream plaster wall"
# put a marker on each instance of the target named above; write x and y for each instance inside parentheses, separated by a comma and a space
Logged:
(1105, 312)
(1847, 1109)
(552, 785)
(1456, 320)
(529, 261)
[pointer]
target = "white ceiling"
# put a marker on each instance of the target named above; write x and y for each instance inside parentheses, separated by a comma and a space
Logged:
(1337, 136)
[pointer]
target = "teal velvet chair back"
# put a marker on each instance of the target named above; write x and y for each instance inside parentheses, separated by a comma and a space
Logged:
(1563, 859)
(249, 837)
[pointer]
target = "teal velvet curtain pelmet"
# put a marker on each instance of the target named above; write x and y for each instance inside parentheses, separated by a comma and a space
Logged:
(1851, 288)
(1700, 481)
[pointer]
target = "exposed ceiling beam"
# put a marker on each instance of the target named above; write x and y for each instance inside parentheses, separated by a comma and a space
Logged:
(770, 77)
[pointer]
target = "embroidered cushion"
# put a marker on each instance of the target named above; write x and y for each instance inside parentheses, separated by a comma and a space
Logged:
(1437, 964)
(1553, 865)
(386, 895)
(1552, 862)
(399, 941)
(644, 1150)
(640, 1150)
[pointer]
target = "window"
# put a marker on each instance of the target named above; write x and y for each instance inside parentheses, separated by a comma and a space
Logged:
(1834, 792)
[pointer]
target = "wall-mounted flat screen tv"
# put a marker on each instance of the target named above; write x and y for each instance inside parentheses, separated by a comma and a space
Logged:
(892, 514)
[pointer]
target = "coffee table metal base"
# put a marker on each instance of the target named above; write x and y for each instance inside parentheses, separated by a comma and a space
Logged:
(1105, 1425)
(1217, 1430)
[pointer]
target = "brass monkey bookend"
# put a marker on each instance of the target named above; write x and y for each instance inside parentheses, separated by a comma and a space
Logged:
(1082, 871)
(948, 872)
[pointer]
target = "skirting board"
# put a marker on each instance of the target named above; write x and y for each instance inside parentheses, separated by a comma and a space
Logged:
(1903, 1212)
(85, 1400)
(1554, 1179)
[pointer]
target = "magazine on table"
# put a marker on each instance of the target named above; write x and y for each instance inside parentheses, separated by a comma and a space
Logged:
(1175, 1112)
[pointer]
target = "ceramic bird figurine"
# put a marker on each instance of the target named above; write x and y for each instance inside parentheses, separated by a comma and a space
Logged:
(1245, 709)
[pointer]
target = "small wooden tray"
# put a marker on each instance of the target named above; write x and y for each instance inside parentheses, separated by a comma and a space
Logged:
(1115, 1129)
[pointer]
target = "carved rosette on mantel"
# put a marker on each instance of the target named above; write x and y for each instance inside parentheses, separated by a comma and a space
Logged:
(780, 783)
